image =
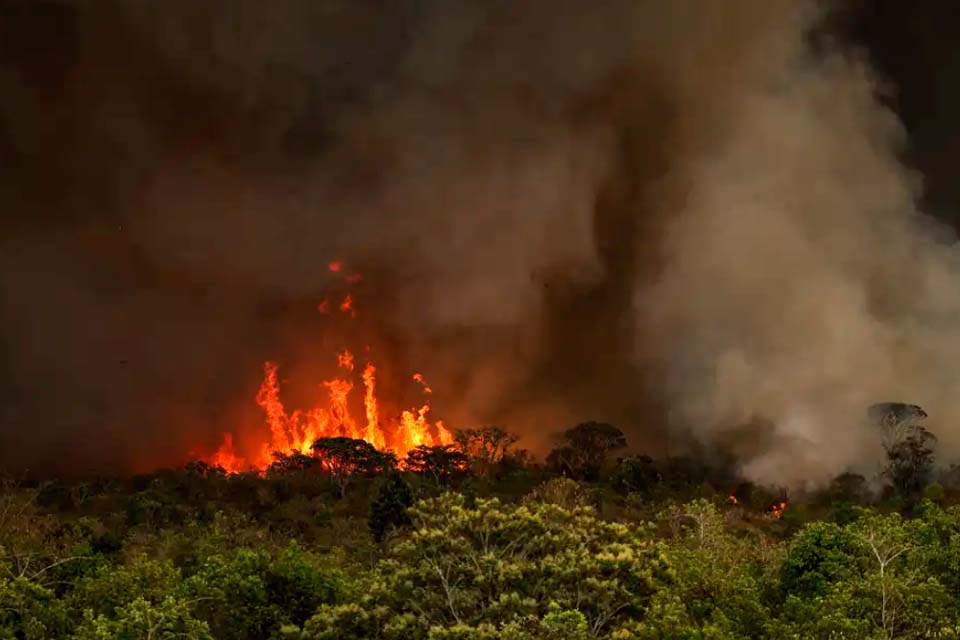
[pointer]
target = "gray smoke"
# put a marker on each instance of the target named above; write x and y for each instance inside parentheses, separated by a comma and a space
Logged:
(679, 217)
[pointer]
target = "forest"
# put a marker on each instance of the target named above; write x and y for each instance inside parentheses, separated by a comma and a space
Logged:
(476, 540)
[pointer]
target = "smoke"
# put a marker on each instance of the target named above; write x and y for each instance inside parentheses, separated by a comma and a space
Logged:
(684, 218)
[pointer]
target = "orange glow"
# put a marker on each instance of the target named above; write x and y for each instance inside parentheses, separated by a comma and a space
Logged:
(225, 457)
(345, 360)
(732, 499)
(777, 509)
(296, 431)
(373, 434)
(418, 377)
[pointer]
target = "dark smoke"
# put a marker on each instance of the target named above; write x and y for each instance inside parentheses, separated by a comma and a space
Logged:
(639, 212)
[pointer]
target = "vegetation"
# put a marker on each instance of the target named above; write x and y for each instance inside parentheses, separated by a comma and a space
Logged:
(473, 542)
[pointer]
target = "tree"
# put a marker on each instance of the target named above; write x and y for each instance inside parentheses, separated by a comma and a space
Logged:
(249, 594)
(585, 448)
(441, 463)
(344, 458)
(562, 492)
(487, 566)
(910, 463)
(718, 589)
(293, 462)
(637, 474)
(389, 509)
(486, 447)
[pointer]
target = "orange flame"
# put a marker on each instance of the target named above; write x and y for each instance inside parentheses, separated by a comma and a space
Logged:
(418, 377)
(373, 434)
(298, 430)
(777, 509)
(345, 360)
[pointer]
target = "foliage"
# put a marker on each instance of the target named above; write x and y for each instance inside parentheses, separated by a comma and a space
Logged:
(910, 462)
(486, 447)
(197, 553)
(389, 510)
(562, 492)
(345, 458)
(492, 564)
(584, 450)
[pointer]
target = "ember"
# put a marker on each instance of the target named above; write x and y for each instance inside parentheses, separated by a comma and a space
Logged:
(777, 509)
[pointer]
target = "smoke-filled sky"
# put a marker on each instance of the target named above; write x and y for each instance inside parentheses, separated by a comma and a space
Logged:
(723, 222)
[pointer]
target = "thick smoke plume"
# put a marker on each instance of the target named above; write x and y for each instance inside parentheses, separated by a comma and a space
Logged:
(685, 218)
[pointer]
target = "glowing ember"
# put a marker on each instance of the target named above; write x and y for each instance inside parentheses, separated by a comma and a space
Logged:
(732, 499)
(418, 377)
(777, 509)
(335, 266)
(347, 305)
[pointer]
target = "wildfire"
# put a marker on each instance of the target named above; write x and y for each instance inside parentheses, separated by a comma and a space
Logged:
(296, 431)
(732, 499)
(777, 509)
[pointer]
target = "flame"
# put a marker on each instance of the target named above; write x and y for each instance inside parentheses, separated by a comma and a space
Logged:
(777, 509)
(732, 499)
(345, 360)
(296, 431)
(225, 457)
(418, 377)
(373, 434)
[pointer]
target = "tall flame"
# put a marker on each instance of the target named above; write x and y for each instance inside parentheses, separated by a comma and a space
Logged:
(296, 431)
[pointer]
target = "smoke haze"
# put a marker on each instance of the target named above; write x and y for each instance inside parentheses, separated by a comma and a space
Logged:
(685, 218)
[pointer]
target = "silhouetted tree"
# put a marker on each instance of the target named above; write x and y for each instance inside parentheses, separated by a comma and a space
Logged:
(442, 463)
(910, 463)
(848, 487)
(908, 445)
(293, 462)
(345, 458)
(585, 449)
(486, 447)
